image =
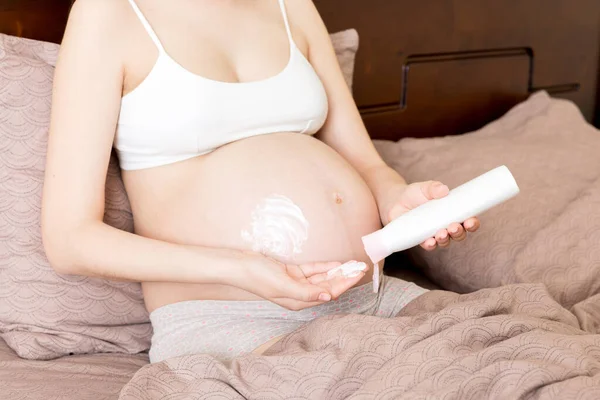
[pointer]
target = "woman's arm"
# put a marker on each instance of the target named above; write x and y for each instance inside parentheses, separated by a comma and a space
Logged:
(344, 129)
(85, 107)
(345, 132)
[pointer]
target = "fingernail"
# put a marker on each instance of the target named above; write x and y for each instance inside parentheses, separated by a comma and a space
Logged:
(324, 297)
(443, 236)
(454, 230)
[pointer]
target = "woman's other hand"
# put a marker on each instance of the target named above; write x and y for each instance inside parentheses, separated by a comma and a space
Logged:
(294, 287)
(403, 198)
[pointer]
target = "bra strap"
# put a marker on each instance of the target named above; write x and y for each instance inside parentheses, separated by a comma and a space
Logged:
(147, 26)
(285, 19)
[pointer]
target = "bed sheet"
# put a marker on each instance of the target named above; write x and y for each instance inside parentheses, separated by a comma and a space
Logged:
(80, 377)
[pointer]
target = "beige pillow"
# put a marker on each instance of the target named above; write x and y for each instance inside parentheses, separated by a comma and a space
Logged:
(345, 44)
(44, 315)
(549, 233)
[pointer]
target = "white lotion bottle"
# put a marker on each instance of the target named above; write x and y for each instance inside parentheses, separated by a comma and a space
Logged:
(465, 201)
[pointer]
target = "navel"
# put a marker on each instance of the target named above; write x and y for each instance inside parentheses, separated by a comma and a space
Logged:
(338, 198)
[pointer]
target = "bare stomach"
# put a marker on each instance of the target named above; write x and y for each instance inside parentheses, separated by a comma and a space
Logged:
(221, 199)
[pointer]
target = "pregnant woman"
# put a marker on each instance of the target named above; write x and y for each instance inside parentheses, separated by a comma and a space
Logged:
(248, 168)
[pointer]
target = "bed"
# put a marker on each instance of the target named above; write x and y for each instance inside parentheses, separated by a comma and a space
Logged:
(513, 314)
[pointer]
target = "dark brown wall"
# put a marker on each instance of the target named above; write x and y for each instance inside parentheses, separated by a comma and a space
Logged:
(39, 19)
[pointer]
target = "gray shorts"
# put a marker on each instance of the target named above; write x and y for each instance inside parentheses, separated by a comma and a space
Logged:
(226, 329)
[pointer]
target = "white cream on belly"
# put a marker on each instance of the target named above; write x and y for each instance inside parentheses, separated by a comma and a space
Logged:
(278, 227)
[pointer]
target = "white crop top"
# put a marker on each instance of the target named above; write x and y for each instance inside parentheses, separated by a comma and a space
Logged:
(174, 114)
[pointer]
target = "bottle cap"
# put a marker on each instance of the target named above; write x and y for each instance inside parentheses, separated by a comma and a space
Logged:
(374, 247)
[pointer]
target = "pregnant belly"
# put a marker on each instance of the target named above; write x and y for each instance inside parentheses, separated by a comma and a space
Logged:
(287, 195)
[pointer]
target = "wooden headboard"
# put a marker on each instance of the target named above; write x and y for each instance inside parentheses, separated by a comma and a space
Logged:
(437, 67)
(433, 67)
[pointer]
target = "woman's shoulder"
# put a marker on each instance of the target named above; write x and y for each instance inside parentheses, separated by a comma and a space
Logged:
(98, 18)
(302, 12)
(99, 11)
(99, 26)
(304, 15)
